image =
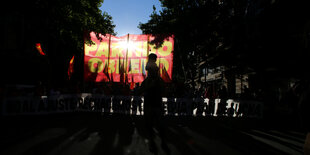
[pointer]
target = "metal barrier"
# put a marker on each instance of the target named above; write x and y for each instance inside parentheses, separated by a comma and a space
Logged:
(129, 105)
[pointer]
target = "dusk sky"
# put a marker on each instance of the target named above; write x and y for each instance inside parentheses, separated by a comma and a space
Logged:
(127, 14)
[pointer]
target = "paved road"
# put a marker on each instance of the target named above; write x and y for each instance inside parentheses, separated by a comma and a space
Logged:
(95, 134)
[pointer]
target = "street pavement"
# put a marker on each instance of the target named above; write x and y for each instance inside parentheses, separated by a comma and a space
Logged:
(92, 134)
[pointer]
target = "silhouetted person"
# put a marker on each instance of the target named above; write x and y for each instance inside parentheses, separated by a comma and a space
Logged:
(107, 104)
(199, 104)
(171, 106)
(304, 109)
(290, 100)
(116, 106)
(188, 102)
(246, 95)
(151, 67)
(231, 110)
(137, 101)
(222, 105)
(152, 87)
(223, 93)
(210, 95)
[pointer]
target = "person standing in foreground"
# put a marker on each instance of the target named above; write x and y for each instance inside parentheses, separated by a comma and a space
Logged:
(304, 107)
(152, 88)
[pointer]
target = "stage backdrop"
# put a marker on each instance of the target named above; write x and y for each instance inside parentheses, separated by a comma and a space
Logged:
(123, 59)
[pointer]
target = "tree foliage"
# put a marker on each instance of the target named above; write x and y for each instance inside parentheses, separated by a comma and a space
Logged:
(197, 26)
(69, 20)
(59, 25)
(246, 34)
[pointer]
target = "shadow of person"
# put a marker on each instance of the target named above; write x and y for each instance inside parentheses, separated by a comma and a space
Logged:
(125, 132)
(153, 120)
(115, 135)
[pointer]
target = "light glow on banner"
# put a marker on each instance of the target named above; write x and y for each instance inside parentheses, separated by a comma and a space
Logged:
(123, 59)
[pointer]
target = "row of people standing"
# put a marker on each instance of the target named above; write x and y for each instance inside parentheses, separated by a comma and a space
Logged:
(186, 106)
(200, 106)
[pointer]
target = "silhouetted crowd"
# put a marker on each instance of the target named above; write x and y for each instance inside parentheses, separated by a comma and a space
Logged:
(178, 99)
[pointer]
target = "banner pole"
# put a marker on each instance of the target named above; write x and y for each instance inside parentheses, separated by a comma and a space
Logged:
(126, 58)
(109, 49)
(127, 50)
(83, 57)
(148, 46)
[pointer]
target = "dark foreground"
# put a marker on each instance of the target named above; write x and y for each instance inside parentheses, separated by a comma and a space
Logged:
(83, 134)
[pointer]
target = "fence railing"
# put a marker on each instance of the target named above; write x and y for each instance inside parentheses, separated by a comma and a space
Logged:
(129, 105)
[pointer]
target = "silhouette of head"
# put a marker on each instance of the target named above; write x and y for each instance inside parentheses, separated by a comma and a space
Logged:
(152, 56)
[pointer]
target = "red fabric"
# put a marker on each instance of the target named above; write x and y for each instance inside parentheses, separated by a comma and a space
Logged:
(71, 67)
(39, 48)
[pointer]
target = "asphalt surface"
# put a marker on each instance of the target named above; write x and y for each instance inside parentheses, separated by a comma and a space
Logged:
(92, 134)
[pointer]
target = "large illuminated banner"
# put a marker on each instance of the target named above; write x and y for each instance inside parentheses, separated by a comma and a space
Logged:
(123, 59)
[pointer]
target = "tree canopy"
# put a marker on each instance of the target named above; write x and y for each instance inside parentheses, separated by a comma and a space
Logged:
(244, 34)
(59, 25)
(67, 21)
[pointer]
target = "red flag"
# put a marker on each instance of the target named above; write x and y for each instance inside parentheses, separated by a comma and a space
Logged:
(106, 71)
(38, 47)
(165, 76)
(112, 79)
(71, 67)
(132, 84)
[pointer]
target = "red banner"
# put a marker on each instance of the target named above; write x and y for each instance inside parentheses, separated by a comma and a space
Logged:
(123, 59)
